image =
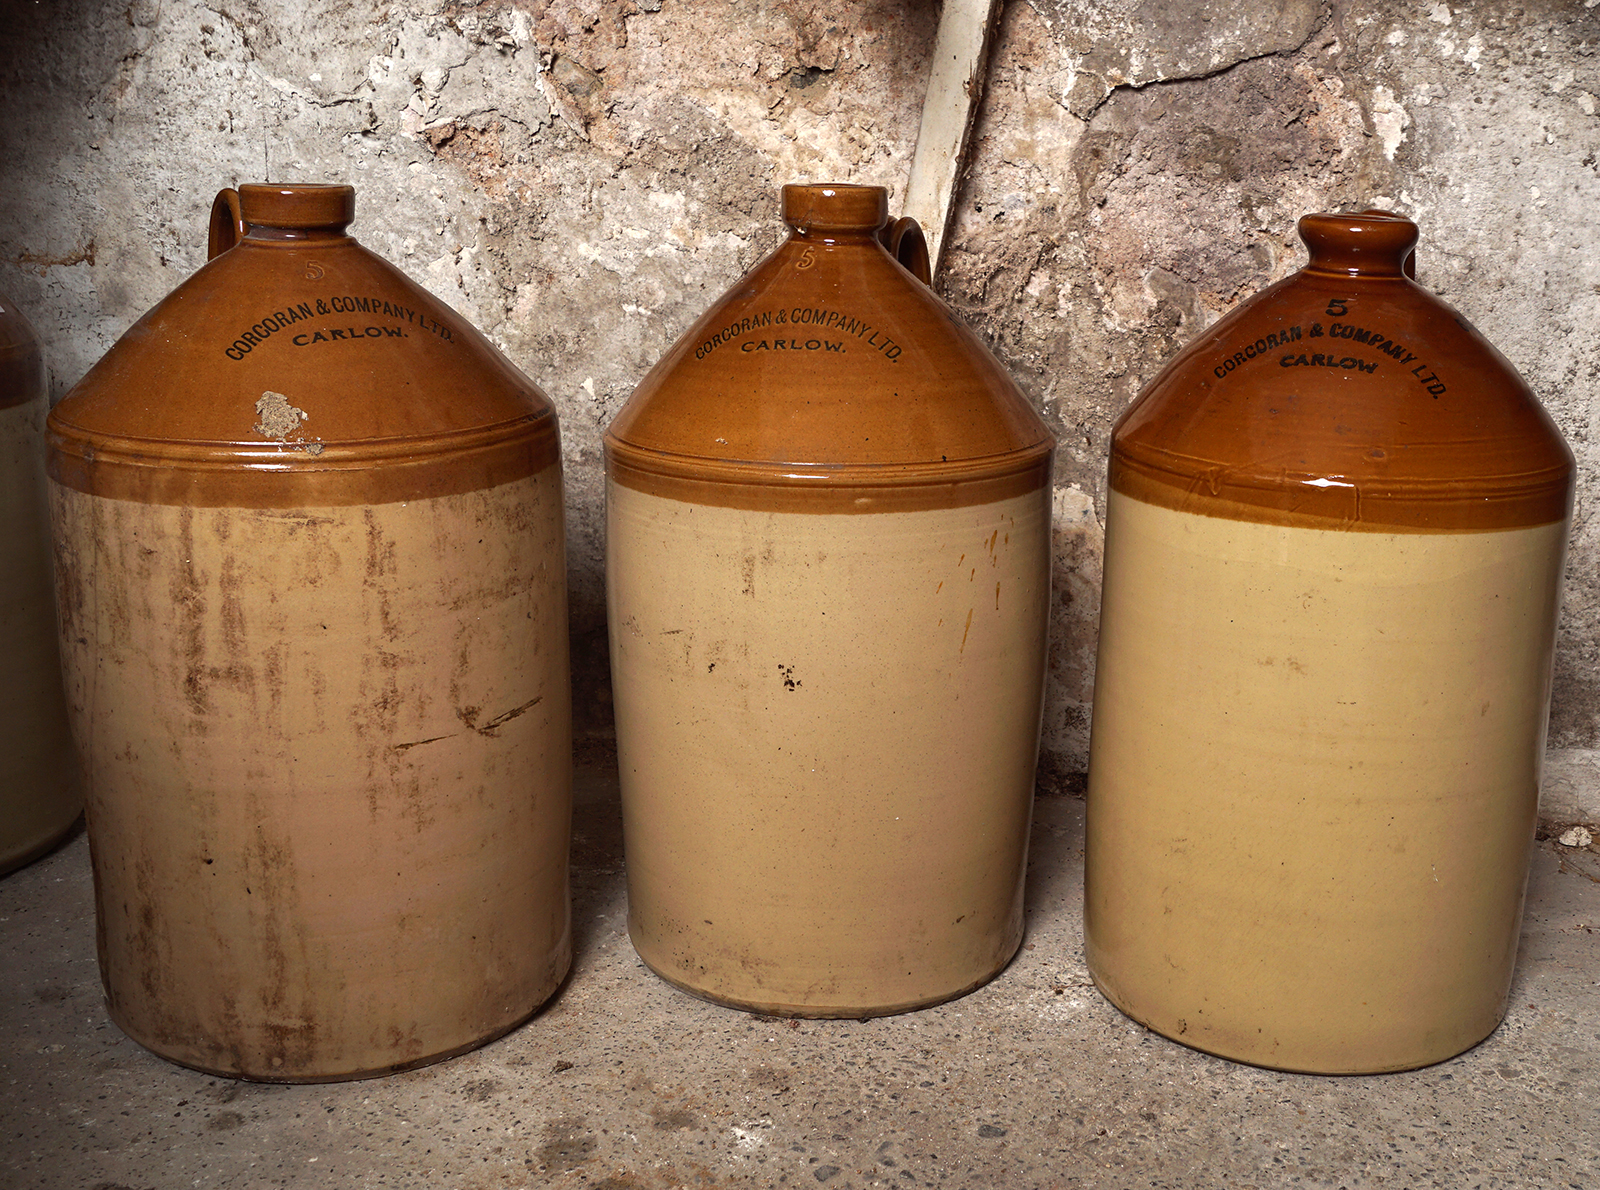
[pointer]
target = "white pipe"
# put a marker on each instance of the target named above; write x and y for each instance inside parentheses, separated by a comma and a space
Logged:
(955, 85)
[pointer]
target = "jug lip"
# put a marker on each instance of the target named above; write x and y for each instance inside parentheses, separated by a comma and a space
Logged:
(297, 205)
(1370, 243)
(835, 206)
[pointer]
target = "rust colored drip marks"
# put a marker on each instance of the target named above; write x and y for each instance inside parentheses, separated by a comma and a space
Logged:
(38, 262)
(303, 512)
(283, 807)
(189, 604)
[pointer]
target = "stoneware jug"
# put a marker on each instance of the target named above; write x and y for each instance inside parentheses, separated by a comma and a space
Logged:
(828, 525)
(1334, 544)
(310, 560)
(39, 799)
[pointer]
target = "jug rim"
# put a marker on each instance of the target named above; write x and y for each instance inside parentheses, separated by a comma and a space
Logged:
(297, 205)
(835, 206)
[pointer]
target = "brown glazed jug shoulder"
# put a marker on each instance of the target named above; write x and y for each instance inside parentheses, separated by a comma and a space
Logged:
(1334, 543)
(310, 563)
(828, 575)
(834, 374)
(298, 303)
(39, 798)
(1346, 396)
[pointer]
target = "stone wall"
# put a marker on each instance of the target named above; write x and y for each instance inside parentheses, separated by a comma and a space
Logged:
(582, 177)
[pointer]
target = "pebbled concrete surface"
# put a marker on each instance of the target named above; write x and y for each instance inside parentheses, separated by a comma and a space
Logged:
(1033, 1081)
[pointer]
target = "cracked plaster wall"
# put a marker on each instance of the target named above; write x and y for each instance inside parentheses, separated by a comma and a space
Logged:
(582, 177)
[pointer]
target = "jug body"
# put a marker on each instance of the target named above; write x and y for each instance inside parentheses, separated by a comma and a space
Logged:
(1334, 544)
(39, 798)
(311, 571)
(827, 582)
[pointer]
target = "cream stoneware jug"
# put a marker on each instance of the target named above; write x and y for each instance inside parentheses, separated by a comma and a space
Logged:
(828, 519)
(309, 537)
(1334, 546)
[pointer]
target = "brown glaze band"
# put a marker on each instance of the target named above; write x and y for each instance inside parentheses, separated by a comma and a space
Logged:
(21, 375)
(1369, 505)
(270, 475)
(833, 490)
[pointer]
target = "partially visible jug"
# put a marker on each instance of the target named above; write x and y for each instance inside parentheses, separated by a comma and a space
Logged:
(313, 593)
(1334, 546)
(39, 799)
(828, 561)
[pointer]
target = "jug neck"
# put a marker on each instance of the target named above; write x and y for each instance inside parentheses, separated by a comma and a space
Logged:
(255, 234)
(278, 212)
(1371, 244)
(835, 211)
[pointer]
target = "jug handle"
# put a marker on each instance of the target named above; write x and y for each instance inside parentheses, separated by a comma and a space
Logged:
(227, 224)
(906, 243)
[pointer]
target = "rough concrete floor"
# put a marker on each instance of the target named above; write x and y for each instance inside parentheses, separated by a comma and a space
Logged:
(1033, 1081)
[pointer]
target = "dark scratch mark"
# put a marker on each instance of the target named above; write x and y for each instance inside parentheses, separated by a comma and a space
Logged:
(417, 743)
(469, 716)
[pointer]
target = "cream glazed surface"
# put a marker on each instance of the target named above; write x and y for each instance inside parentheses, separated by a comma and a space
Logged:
(38, 797)
(1321, 866)
(330, 759)
(827, 725)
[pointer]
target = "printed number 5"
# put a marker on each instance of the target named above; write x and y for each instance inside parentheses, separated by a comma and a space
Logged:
(805, 261)
(1336, 308)
(313, 271)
